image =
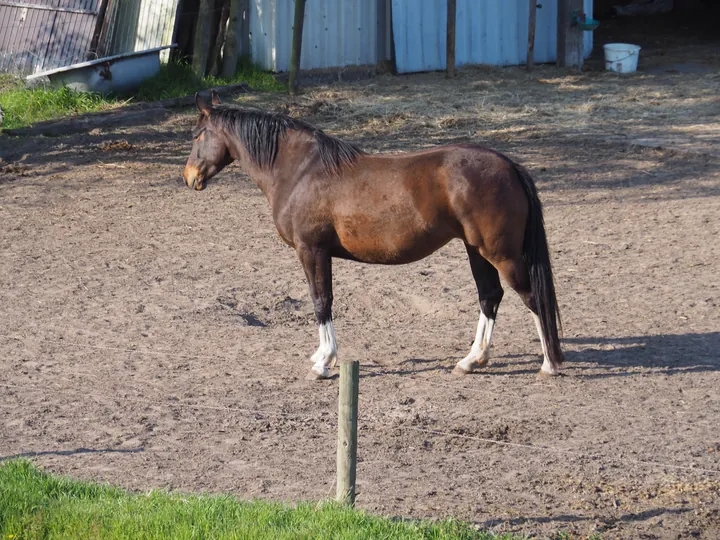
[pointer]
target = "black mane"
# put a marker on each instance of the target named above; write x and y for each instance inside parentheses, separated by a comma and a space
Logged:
(260, 133)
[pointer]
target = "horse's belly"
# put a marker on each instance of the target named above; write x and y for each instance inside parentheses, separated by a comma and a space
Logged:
(390, 242)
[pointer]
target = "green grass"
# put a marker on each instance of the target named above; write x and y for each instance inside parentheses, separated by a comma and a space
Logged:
(8, 82)
(23, 106)
(34, 504)
(176, 80)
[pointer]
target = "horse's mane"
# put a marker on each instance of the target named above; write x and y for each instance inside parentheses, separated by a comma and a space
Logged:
(260, 132)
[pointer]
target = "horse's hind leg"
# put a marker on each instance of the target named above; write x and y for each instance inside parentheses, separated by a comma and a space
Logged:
(516, 274)
(490, 293)
(317, 264)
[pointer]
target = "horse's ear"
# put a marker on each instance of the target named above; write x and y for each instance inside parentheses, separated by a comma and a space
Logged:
(202, 105)
(214, 97)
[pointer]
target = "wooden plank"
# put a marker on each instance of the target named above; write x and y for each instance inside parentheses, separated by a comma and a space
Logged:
(450, 44)
(106, 24)
(347, 431)
(531, 35)
(99, 22)
(570, 47)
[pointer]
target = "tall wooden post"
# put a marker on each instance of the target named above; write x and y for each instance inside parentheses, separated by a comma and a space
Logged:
(296, 45)
(570, 38)
(450, 46)
(531, 35)
(347, 431)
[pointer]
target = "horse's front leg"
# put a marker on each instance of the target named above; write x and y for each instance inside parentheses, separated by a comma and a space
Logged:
(317, 264)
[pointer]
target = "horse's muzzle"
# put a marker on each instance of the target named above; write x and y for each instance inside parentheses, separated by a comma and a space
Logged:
(192, 178)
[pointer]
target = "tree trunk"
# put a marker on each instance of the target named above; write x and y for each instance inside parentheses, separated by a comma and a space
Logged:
(220, 40)
(296, 45)
(232, 39)
(203, 35)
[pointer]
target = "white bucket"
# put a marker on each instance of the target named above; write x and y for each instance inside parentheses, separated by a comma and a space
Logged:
(621, 57)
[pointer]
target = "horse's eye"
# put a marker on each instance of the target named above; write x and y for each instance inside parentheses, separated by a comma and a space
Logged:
(196, 134)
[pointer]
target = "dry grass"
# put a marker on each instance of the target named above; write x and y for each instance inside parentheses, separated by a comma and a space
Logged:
(510, 105)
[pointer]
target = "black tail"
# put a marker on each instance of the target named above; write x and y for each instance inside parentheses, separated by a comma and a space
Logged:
(537, 259)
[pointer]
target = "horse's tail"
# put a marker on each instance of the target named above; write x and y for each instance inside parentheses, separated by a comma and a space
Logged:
(537, 259)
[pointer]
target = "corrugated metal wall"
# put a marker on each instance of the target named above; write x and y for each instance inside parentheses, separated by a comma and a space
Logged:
(37, 35)
(335, 33)
(136, 25)
(488, 32)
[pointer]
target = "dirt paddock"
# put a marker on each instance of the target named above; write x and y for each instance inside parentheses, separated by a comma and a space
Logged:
(156, 337)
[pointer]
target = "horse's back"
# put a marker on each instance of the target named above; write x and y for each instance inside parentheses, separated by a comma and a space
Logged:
(400, 208)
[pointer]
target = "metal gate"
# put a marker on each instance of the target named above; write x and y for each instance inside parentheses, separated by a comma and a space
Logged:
(37, 35)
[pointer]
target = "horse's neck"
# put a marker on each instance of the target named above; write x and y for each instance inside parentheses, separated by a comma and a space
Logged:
(292, 155)
(260, 177)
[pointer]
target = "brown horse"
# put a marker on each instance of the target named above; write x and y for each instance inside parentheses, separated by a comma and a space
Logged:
(331, 199)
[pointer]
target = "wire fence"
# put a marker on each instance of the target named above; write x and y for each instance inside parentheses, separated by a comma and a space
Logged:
(256, 414)
(34, 40)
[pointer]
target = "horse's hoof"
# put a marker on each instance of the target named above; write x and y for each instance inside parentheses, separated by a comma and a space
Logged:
(460, 371)
(547, 375)
(319, 375)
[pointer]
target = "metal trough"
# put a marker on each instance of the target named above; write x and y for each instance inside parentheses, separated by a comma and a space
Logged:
(118, 74)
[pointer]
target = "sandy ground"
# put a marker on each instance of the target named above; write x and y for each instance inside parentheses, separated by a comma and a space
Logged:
(156, 337)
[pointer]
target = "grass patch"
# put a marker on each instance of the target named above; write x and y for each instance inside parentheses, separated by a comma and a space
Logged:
(177, 80)
(8, 82)
(34, 504)
(23, 106)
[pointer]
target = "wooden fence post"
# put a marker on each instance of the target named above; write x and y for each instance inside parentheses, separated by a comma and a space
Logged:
(531, 35)
(450, 45)
(296, 45)
(347, 431)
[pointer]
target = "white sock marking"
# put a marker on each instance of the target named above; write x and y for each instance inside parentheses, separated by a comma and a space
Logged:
(480, 350)
(326, 353)
(547, 367)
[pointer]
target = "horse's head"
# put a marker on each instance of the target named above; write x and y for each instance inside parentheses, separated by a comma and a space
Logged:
(210, 153)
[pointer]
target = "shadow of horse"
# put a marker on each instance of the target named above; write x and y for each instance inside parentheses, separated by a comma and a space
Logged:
(415, 366)
(74, 452)
(670, 353)
(622, 356)
(608, 522)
